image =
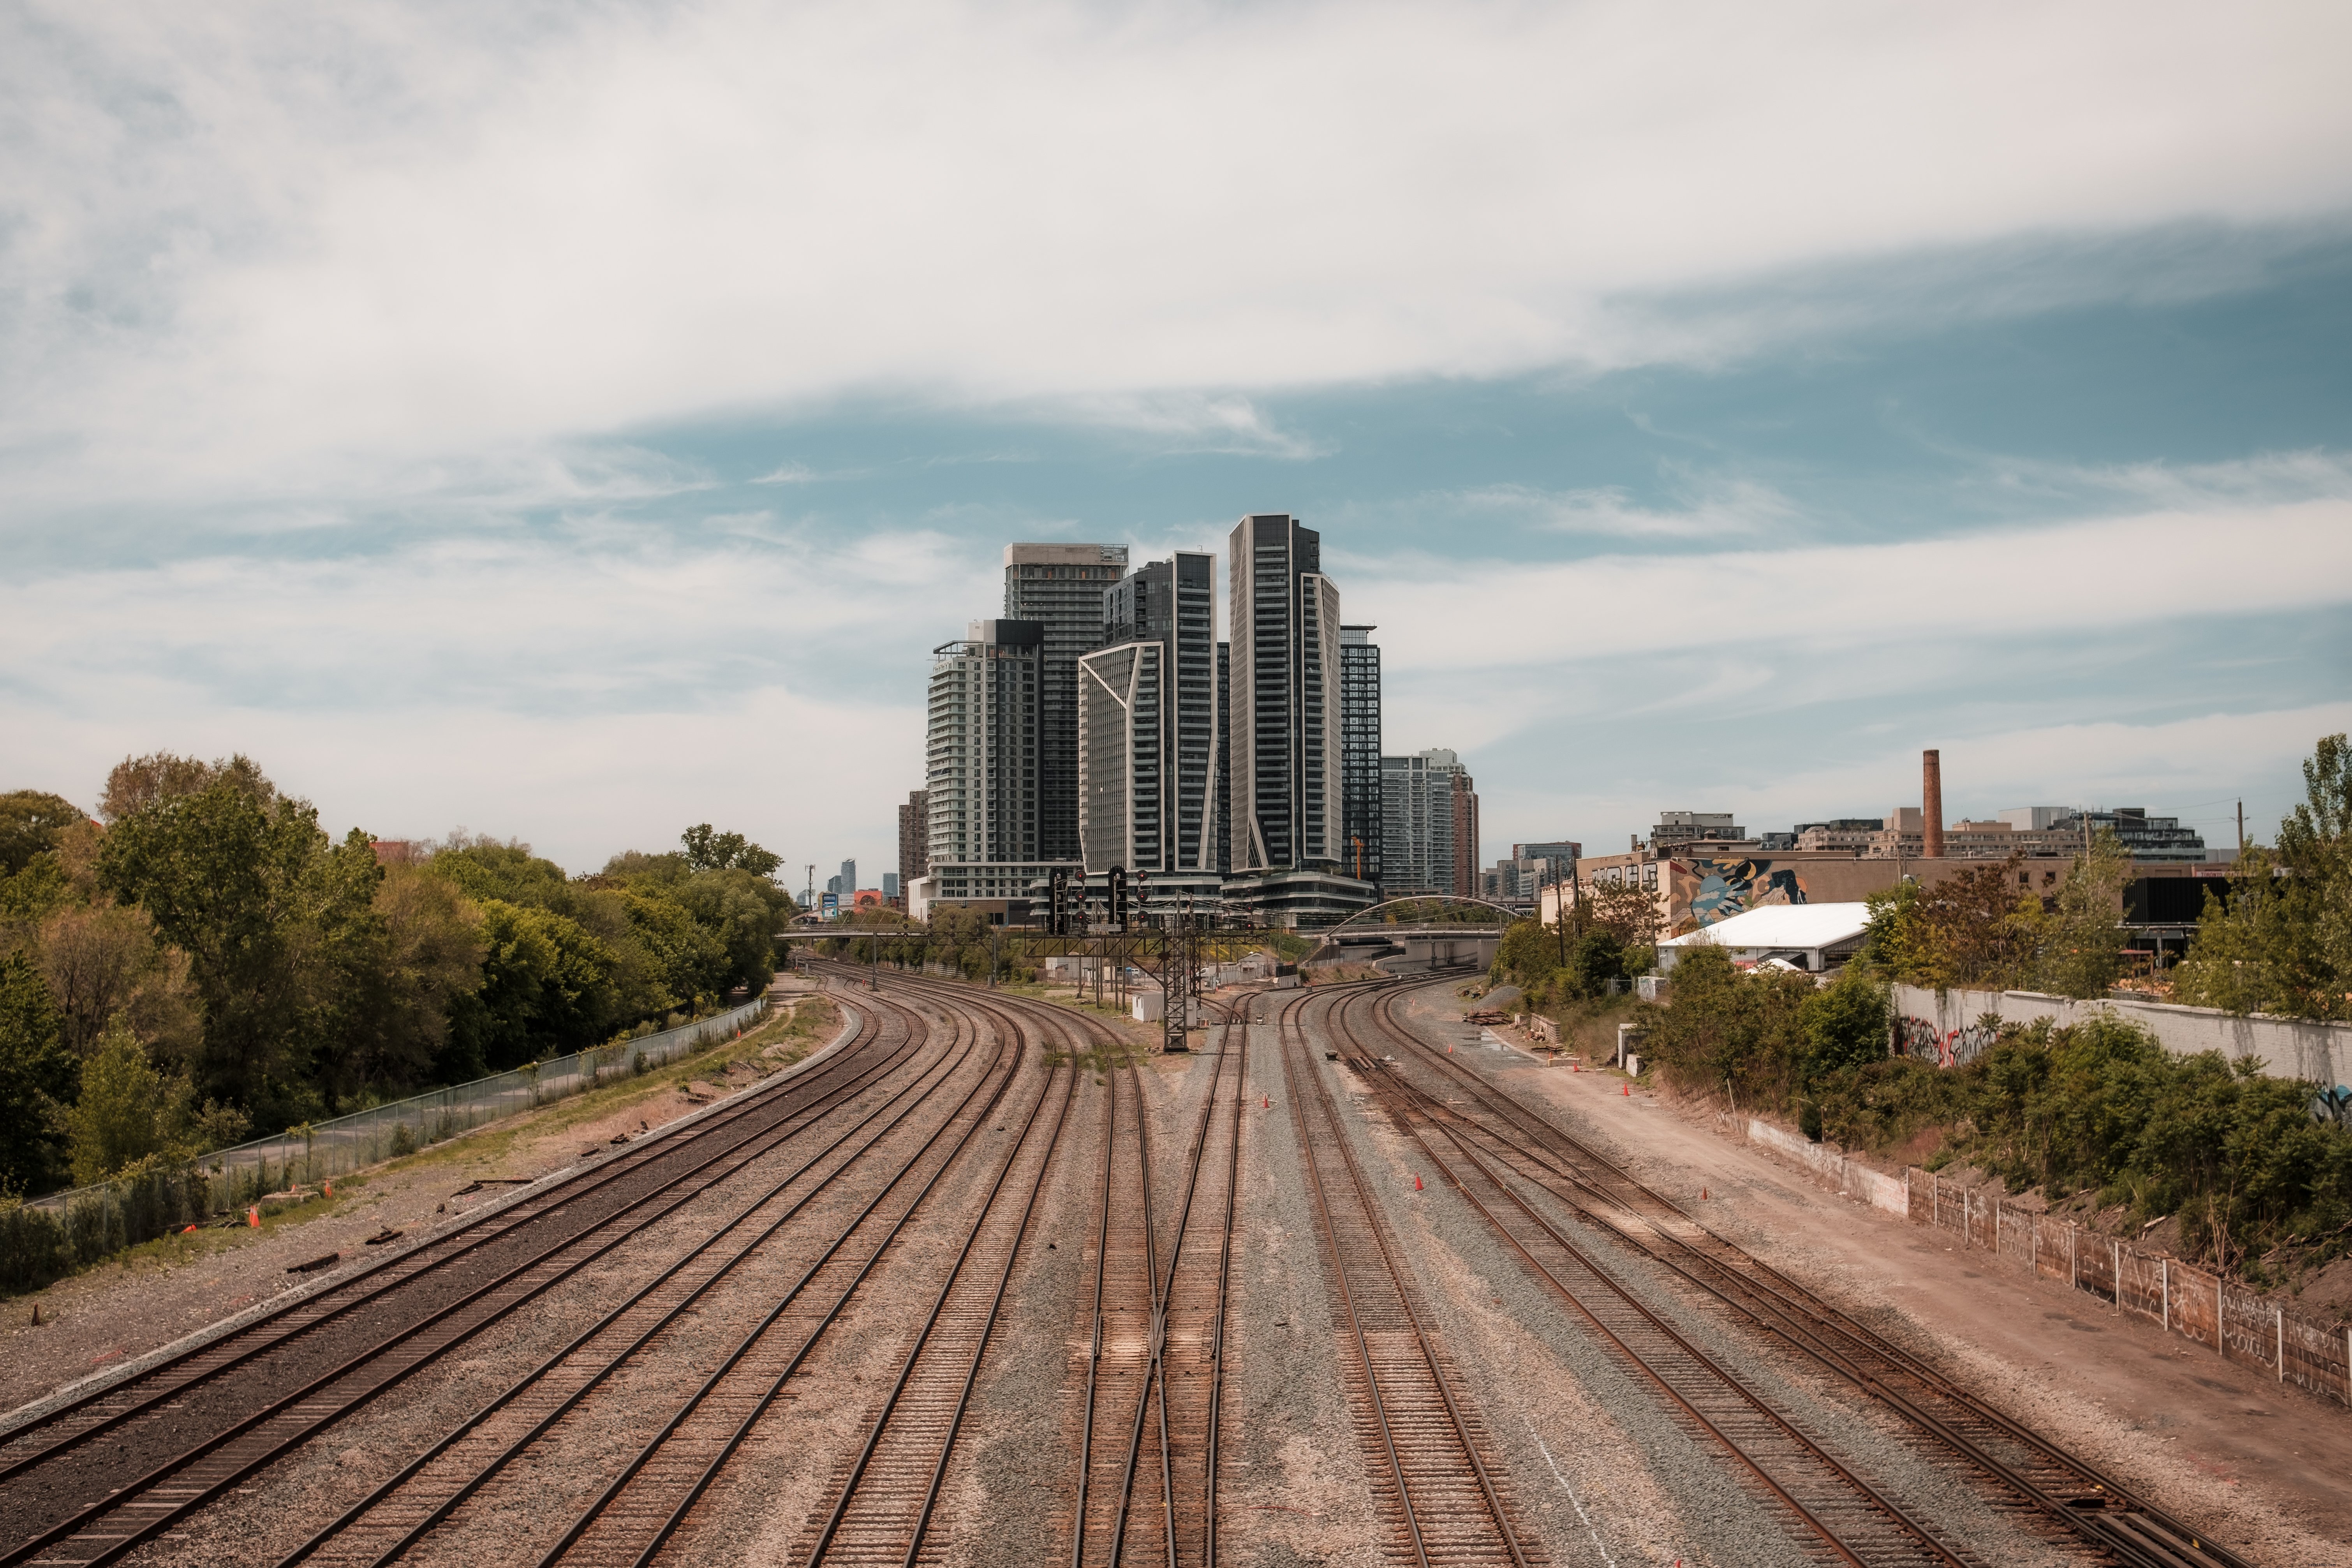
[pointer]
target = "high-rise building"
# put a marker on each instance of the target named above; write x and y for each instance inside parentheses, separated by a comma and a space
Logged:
(1148, 728)
(915, 836)
(1423, 851)
(981, 755)
(1284, 745)
(849, 875)
(1359, 752)
(889, 884)
(1466, 837)
(1220, 853)
(1059, 587)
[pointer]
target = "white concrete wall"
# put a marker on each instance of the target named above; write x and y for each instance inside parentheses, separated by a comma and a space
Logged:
(2286, 1048)
(1876, 1188)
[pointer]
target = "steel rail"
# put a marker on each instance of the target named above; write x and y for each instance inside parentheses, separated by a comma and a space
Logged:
(1410, 1114)
(598, 1507)
(1162, 1290)
(1068, 1070)
(300, 1318)
(1292, 1032)
(1235, 1025)
(1152, 1326)
(907, 1101)
(2101, 1512)
(1094, 1342)
(759, 1141)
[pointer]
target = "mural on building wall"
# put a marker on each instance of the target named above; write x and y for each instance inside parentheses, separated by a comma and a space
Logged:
(1702, 893)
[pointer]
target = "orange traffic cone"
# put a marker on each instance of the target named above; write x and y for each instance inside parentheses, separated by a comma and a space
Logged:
(1416, 1183)
(1628, 1087)
(252, 1217)
(1269, 1102)
(1702, 1192)
(329, 1187)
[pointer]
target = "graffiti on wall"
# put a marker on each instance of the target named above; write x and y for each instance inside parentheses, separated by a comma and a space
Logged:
(1922, 1042)
(1703, 891)
(2332, 1106)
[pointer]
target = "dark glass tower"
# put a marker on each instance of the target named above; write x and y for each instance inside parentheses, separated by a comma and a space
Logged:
(1285, 742)
(1060, 586)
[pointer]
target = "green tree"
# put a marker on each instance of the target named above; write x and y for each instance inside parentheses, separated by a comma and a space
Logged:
(36, 1078)
(486, 869)
(708, 850)
(2082, 938)
(31, 821)
(394, 975)
(547, 988)
(126, 1110)
(137, 782)
(103, 963)
(1845, 1024)
(692, 959)
(743, 911)
(1725, 1028)
(2282, 941)
(227, 875)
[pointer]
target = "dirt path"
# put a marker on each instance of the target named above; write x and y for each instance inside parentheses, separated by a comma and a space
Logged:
(2216, 1443)
(165, 1290)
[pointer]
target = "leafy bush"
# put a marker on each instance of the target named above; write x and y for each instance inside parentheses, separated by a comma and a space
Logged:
(2100, 1107)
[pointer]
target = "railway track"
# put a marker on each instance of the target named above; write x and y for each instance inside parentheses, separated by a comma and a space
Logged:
(853, 1192)
(1835, 1508)
(1497, 1150)
(1444, 1496)
(884, 1499)
(1154, 1393)
(90, 1481)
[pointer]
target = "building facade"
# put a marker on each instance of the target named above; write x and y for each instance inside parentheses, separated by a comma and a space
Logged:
(1420, 857)
(1148, 736)
(982, 748)
(1059, 588)
(1284, 745)
(1359, 752)
(914, 835)
(1466, 837)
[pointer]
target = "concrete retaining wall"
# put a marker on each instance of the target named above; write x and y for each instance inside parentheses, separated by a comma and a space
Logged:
(1850, 1178)
(2286, 1048)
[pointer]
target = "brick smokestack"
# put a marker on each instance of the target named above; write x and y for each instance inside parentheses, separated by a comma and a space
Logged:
(1931, 804)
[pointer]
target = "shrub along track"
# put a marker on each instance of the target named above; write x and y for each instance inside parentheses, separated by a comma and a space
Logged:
(89, 1480)
(1434, 1470)
(1496, 1149)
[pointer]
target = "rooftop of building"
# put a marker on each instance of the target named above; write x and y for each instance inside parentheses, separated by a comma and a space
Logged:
(1066, 555)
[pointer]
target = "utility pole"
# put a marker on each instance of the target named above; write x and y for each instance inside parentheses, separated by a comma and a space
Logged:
(2241, 830)
(995, 941)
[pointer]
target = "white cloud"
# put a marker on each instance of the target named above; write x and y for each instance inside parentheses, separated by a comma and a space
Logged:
(262, 241)
(1716, 510)
(2070, 577)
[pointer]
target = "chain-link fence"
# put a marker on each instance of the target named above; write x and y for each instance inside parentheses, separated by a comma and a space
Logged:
(40, 1238)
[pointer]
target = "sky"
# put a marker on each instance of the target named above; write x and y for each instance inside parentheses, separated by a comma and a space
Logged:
(572, 423)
